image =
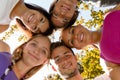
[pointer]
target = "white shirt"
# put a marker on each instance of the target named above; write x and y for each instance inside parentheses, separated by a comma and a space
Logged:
(6, 6)
(102, 77)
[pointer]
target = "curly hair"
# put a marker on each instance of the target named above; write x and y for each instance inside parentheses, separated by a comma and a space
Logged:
(18, 53)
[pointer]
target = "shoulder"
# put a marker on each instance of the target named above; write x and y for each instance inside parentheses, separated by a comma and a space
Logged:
(5, 57)
(4, 47)
(5, 61)
(115, 73)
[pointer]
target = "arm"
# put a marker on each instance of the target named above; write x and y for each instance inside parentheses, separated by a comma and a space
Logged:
(115, 73)
(4, 47)
(3, 28)
(117, 7)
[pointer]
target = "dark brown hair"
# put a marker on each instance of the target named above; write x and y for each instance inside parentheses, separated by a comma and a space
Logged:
(58, 44)
(73, 19)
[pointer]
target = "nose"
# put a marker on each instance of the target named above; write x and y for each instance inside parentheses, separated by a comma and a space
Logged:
(63, 13)
(75, 36)
(63, 59)
(37, 51)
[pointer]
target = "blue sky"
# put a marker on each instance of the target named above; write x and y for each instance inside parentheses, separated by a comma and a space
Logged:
(43, 3)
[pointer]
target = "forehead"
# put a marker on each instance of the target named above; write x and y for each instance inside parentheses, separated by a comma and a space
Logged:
(45, 27)
(41, 40)
(60, 51)
(57, 22)
(66, 36)
(59, 1)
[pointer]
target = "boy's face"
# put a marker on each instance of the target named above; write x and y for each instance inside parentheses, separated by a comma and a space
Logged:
(64, 60)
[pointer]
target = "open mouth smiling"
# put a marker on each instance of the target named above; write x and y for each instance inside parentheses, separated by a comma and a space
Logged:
(66, 66)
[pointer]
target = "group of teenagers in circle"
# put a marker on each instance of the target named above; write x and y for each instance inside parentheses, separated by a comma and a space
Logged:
(35, 22)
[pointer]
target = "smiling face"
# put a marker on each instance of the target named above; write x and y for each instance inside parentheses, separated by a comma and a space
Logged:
(77, 36)
(64, 60)
(63, 12)
(36, 51)
(36, 22)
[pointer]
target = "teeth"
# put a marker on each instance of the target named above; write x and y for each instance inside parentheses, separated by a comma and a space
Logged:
(30, 18)
(67, 65)
(81, 37)
(66, 7)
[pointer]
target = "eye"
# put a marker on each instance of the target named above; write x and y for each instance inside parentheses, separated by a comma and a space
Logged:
(34, 44)
(72, 31)
(42, 20)
(55, 14)
(57, 60)
(71, 43)
(44, 52)
(65, 20)
(36, 29)
(66, 56)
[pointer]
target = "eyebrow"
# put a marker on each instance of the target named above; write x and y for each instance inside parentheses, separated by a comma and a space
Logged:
(66, 52)
(35, 41)
(43, 46)
(63, 53)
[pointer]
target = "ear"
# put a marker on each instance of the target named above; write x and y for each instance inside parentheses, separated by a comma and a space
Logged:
(75, 57)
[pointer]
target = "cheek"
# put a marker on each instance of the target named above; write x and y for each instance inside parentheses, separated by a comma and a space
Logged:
(45, 26)
(71, 12)
(77, 44)
(28, 48)
(43, 57)
(43, 61)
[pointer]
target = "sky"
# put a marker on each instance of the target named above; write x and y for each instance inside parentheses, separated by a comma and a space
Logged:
(43, 3)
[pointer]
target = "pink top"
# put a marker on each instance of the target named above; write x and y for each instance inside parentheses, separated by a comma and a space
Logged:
(110, 42)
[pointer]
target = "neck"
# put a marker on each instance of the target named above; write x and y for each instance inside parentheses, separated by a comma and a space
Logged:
(20, 69)
(77, 76)
(18, 10)
(96, 36)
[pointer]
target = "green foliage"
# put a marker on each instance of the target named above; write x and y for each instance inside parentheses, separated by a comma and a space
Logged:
(80, 67)
(53, 77)
(91, 64)
(97, 16)
(97, 19)
(9, 33)
(13, 29)
(22, 38)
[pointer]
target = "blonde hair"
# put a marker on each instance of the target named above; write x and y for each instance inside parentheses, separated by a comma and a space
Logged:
(17, 55)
